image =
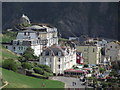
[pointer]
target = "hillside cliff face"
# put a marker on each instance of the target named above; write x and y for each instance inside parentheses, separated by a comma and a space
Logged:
(71, 19)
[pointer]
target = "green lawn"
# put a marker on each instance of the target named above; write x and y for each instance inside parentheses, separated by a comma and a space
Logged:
(21, 81)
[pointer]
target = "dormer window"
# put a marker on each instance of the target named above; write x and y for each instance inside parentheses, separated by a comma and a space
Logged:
(25, 33)
(59, 53)
(28, 33)
(43, 53)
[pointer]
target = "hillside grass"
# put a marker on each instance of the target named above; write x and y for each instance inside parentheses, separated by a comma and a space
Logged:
(21, 81)
(6, 54)
(8, 36)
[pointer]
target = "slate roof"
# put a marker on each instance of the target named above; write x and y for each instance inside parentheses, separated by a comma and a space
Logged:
(31, 31)
(53, 51)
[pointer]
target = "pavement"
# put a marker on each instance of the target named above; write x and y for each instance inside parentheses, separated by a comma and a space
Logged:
(69, 82)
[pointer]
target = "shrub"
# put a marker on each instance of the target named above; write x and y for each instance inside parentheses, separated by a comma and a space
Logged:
(113, 73)
(104, 84)
(38, 70)
(21, 59)
(29, 54)
(46, 74)
(26, 65)
(101, 70)
(85, 66)
(18, 64)
(45, 67)
(10, 64)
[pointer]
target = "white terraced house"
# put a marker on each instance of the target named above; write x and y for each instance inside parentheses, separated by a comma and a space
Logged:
(25, 39)
(112, 51)
(58, 58)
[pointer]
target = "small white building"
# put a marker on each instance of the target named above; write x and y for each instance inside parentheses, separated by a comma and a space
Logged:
(112, 51)
(46, 33)
(59, 59)
(25, 39)
(96, 41)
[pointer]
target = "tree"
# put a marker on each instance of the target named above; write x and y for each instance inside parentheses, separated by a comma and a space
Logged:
(113, 73)
(47, 74)
(10, 64)
(101, 70)
(85, 66)
(26, 65)
(38, 70)
(103, 51)
(45, 67)
(21, 59)
(29, 54)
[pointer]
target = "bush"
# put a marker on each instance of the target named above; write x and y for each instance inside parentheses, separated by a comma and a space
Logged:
(18, 64)
(113, 73)
(38, 70)
(29, 54)
(26, 65)
(104, 84)
(21, 59)
(46, 74)
(101, 70)
(10, 64)
(45, 67)
(85, 66)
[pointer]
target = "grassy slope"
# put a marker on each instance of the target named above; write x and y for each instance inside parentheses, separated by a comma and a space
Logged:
(8, 36)
(21, 81)
(5, 54)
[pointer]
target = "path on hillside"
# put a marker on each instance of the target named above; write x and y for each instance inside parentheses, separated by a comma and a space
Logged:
(69, 81)
(6, 83)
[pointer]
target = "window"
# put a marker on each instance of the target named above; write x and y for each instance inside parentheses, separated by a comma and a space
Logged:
(28, 33)
(25, 33)
(110, 57)
(6, 46)
(14, 48)
(19, 48)
(45, 60)
(110, 46)
(50, 60)
(43, 53)
(20, 53)
(58, 66)
(59, 59)
(59, 53)
(93, 49)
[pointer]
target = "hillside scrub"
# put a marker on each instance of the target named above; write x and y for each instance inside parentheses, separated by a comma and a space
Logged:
(10, 64)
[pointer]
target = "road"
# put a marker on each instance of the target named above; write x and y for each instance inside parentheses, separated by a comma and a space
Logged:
(69, 82)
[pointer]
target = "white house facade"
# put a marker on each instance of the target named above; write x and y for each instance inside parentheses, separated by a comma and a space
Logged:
(46, 33)
(25, 39)
(112, 51)
(59, 59)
